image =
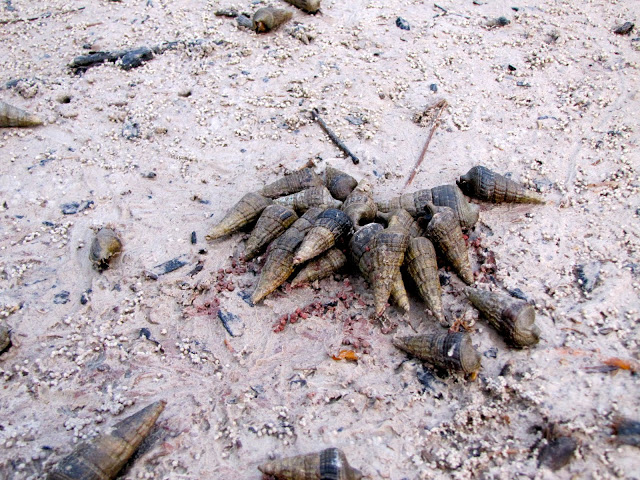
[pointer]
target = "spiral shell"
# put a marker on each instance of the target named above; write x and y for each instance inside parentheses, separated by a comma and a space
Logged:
(11, 116)
(105, 245)
(103, 457)
(242, 213)
(340, 184)
(321, 267)
(513, 318)
(279, 264)
(420, 259)
(451, 196)
(329, 464)
(445, 233)
(309, 6)
(292, 183)
(310, 197)
(448, 350)
(413, 203)
(269, 18)
(5, 338)
(328, 228)
(275, 219)
(485, 184)
(404, 219)
(359, 205)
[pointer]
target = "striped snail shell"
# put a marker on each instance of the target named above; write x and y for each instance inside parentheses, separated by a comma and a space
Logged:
(105, 245)
(328, 464)
(359, 205)
(487, 185)
(292, 183)
(309, 6)
(413, 203)
(268, 18)
(451, 196)
(320, 267)
(329, 227)
(242, 213)
(340, 184)
(405, 220)
(275, 219)
(317, 196)
(11, 116)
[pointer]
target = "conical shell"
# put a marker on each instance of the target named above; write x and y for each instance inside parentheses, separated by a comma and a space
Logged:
(388, 247)
(413, 203)
(292, 183)
(11, 116)
(485, 184)
(405, 220)
(448, 350)
(328, 228)
(310, 197)
(242, 213)
(513, 318)
(451, 196)
(269, 18)
(420, 259)
(340, 184)
(359, 205)
(445, 233)
(275, 219)
(329, 464)
(309, 6)
(105, 245)
(321, 267)
(103, 457)
(5, 338)
(279, 264)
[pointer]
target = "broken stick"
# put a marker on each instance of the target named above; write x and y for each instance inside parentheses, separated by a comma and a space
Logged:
(334, 138)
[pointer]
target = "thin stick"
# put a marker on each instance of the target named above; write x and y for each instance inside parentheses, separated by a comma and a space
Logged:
(42, 16)
(442, 104)
(334, 138)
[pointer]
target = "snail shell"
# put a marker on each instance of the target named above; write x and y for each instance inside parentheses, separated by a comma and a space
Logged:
(105, 245)
(413, 203)
(404, 219)
(242, 213)
(321, 267)
(5, 338)
(420, 259)
(279, 264)
(340, 184)
(309, 6)
(329, 464)
(448, 350)
(513, 318)
(103, 457)
(388, 247)
(275, 219)
(485, 184)
(451, 196)
(328, 228)
(269, 18)
(445, 233)
(11, 116)
(292, 183)
(310, 197)
(359, 205)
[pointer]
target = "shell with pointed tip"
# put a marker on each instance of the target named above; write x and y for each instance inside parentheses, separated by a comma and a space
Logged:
(279, 264)
(321, 267)
(448, 350)
(513, 318)
(329, 464)
(292, 183)
(5, 338)
(485, 184)
(105, 245)
(275, 219)
(420, 259)
(340, 184)
(413, 203)
(103, 457)
(309, 6)
(11, 116)
(445, 233)
(404, 219)
(328, 228)
(269, 18)
(451, 196)
(359, 205)
(310, 197)
(242, 213)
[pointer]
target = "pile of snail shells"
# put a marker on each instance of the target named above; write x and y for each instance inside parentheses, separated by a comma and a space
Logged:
(303, 218)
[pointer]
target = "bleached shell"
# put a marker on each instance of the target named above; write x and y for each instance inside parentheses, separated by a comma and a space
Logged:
(328, 464)
(11, 116)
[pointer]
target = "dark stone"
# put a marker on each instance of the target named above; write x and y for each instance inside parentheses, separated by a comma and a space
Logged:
(61, 298)
(516, 292)
(136, 57)
(194, 238)
(131, 130)
(511, 68)
(84, 298)
(491, 353)
(75, 207)
(588, 276)
(445, 278)
(402, 24)
(169, 266)
(150, 175)
(354, 120)
(557, 453)
(145, 332)
(244, 21)
(246, 297)
(624, 29)
(232, 323)
(627, 432)
(433, 87)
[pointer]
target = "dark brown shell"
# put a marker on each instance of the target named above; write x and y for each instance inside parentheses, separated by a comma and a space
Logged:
(405, 220)
(268, 18)
(487, 185)
(513, 318)
(309, 6)
(359, 205)
(279, 264)
(11, 116)
(328, 228)
(103, 457)
(420, 259)
(451, 196)
(5, 338)
(242, 213)
(413, 203)
(275, 219)
(320, 267)
(445, 233)
(340, 184)
(292, 183)
(329, 464)
(105, 245)
(448, 350)
(310, 197)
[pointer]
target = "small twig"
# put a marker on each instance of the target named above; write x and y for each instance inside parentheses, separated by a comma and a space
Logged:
(441, 8)
(40, 17)
(334, 138)
(447, 12)
(441, 105)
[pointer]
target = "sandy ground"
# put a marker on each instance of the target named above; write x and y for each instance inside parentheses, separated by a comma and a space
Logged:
(551, 98)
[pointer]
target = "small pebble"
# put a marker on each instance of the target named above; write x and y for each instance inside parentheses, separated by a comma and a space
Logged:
(402, 24)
